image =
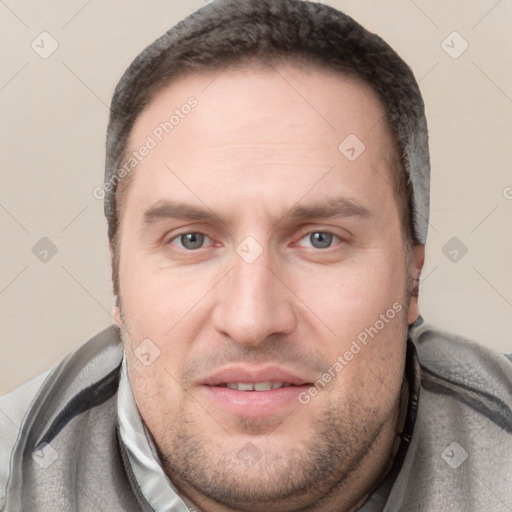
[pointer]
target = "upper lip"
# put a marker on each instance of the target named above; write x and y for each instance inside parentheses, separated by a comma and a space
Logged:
(250, 375)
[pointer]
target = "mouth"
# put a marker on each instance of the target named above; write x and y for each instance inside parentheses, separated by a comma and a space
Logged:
(254, 393)
(256, 386)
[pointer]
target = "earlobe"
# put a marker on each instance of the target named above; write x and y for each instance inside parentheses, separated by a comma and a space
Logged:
(116, 312)
(418, 260)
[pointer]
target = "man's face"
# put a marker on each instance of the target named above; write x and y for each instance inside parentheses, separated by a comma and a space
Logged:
(296, 263)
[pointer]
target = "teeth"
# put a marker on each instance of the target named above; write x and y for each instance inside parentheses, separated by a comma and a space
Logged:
(263, 386)
(245, 387)
(258, 386)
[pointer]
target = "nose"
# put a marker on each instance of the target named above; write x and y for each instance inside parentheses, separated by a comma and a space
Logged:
(253, 302)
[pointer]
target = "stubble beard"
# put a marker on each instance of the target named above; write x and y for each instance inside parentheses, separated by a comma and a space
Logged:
(285, 477)
(299, 474)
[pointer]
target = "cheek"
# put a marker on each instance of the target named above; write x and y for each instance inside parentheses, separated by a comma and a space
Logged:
(166, 307)
(157, 394)
(169, 308)
(353, 296)
(363, 306)
(149, 295)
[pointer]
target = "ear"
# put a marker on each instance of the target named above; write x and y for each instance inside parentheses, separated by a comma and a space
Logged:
(418, 259)
(116, 312)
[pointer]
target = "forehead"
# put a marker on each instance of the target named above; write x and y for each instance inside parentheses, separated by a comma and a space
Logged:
(322, 97)
(260, 126)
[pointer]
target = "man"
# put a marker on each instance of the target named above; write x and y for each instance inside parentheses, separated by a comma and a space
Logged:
(267, 191)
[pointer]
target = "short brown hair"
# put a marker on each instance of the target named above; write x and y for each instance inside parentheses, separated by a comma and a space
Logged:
(229, 32)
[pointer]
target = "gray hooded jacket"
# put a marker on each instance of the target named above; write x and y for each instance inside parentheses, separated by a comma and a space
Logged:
(61, 448)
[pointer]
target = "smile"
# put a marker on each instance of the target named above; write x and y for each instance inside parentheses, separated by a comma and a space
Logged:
(257, 386)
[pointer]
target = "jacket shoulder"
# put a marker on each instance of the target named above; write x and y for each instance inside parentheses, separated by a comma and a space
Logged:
(453, 364)
(43, 407)
(460, 454)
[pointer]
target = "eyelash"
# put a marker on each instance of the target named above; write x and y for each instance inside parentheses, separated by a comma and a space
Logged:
(302, 235)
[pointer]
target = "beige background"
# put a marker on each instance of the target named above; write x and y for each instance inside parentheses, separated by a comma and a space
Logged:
(53, 121)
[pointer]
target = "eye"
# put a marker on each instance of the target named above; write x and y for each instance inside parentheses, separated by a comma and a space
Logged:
(320, 239)
(189, 241)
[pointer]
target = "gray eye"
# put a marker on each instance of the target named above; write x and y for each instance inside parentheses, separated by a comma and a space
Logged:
(192, 240)
(320, 239)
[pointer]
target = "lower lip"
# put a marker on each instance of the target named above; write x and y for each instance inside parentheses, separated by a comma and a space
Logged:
(253, 404)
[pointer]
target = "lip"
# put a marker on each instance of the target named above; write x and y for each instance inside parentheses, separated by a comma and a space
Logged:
(247, 374)
(253, 404)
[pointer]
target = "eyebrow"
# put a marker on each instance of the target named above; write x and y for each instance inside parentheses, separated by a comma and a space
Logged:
(340, 207)
(168, 209)
(336, 207)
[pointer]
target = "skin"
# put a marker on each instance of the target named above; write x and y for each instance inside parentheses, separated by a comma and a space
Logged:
(250, 151)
